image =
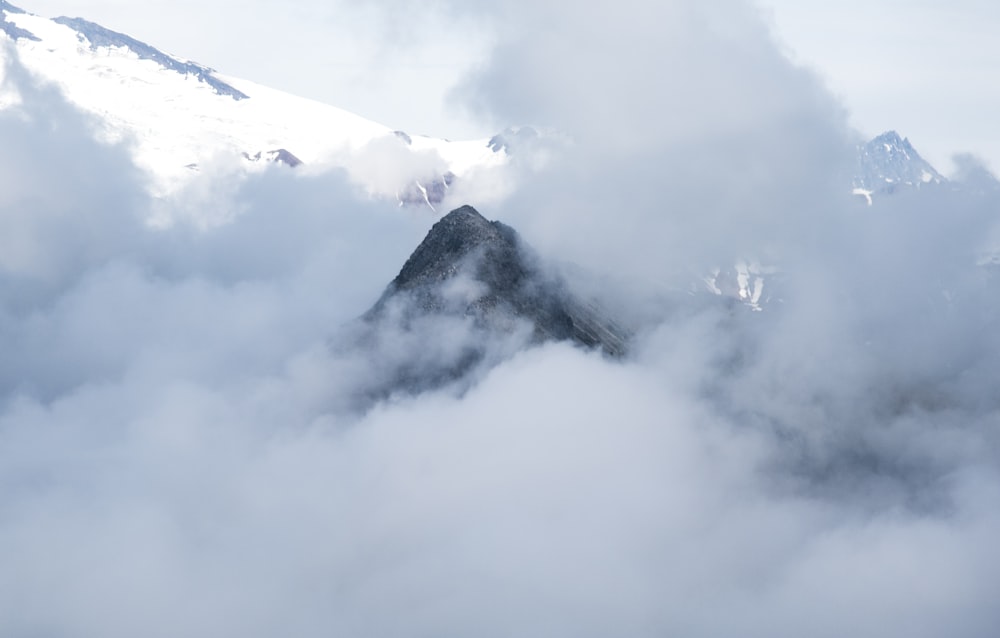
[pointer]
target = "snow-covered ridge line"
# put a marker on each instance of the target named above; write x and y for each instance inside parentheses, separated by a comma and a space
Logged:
(12, 30)
(99, 36)
(184, 121)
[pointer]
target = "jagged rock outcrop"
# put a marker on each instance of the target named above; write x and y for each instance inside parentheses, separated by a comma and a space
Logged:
(276, 156)
(471, 295)
(481, 269)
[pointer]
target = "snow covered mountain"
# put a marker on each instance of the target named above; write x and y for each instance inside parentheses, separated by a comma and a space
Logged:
(182, 119)
(179, 116)
(889, 162)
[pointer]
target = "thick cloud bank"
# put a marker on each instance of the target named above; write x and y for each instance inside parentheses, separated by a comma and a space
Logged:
(182, 451)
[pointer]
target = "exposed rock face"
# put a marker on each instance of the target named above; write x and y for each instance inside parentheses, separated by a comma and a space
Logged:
(471, 295)
(276, 156)
(426, 192)
(480, 269)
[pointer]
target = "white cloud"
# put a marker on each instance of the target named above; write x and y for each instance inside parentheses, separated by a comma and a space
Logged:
(181, 450)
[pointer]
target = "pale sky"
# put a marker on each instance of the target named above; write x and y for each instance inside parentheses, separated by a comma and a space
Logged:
(927, 69)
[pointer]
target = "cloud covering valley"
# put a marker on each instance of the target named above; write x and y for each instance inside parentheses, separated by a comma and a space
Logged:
(182, 451)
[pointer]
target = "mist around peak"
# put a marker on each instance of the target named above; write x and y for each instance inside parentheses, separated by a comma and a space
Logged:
(182, 450)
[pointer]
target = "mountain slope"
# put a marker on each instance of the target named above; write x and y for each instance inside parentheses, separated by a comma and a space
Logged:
(180, 116)
(471, 294)
(97, 36)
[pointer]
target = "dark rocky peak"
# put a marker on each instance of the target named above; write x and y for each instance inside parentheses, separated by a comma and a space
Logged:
(508, 283)
(450, 242)
(99, 36)
(471, 294)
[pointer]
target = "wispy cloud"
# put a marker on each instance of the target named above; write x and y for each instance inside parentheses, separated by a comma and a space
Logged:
(181, 451)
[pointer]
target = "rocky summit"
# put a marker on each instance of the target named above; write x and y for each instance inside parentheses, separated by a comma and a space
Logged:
(889, 163)
(469, 266)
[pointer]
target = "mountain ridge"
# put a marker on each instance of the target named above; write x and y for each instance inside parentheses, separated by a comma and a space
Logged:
(12, 30)
(180, 116)
(99, 36)
(178, 129)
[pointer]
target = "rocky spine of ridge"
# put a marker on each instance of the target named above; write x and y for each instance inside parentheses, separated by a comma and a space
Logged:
(12, 30)
(506, 280)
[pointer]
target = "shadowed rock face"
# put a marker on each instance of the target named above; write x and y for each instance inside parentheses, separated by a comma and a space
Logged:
(471, 295)
(476, 268)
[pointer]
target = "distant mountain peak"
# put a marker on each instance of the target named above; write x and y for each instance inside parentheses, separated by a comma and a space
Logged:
(889, 162)
(99, 36)
(893, 145)
(891, 137)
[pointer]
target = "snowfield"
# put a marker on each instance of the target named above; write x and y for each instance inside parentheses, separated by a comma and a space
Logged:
(176, 123)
